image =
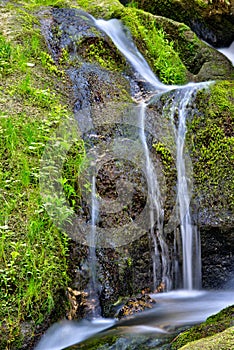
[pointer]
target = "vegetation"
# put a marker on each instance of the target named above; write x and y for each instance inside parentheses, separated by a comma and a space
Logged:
(164, 153)
(33, 252)
(196, 14)
(156, 47)
(103, 54)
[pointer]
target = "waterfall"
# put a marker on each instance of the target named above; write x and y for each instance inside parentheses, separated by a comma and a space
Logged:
(93, 283)
(189, 233)
(176, 308)
(160, 259)
(115, 30)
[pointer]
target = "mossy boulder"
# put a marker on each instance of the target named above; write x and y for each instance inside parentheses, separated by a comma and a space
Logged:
(214, 324)
(174, 52)
(212, 21)
(210, 138)
(223, 340)
(210, 141)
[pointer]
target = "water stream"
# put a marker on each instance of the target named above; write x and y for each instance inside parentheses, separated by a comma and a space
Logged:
(160, 259)
(228, 52)
(173, 309)
(93, 288)
(116, 31)
(189, 233)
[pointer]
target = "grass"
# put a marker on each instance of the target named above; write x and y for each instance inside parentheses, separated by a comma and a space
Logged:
(33, 251)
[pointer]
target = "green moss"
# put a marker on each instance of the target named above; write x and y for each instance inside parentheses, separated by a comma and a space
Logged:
(155, 46)
(223, 340)
(164, 153)
(210, 136)
(214, 324)
(99, 343)
(100, 52)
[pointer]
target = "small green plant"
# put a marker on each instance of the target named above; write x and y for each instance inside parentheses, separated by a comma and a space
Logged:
(100, 52)
(164, 154)
(202, 3)
(72, 168)
(48, 63)
(133, 4)
(158, 49)
(5, 57)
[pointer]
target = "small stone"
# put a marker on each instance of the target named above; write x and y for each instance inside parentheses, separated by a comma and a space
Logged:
(28, 64)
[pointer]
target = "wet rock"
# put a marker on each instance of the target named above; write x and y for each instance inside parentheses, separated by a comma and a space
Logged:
(135, 305)
(78, 304)
(217, 257)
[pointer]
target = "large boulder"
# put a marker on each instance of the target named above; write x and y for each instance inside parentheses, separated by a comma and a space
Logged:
(212, 21)
(172, 49)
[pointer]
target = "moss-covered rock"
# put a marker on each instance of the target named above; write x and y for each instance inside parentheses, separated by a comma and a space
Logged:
(214, 324)
(210, 138)
(174, 52)
(211, 20)
(223, 340)
(210, 141)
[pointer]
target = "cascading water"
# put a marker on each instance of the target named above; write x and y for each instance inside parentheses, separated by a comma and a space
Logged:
(190, 236)
(189, 233)
(185, 308)
(115, 30)
(160, 259)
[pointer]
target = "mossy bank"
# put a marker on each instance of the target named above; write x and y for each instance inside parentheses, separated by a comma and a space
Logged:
(33, 251)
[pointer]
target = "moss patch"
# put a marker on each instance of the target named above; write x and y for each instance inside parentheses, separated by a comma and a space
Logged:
(210, 138)
(223, 340)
